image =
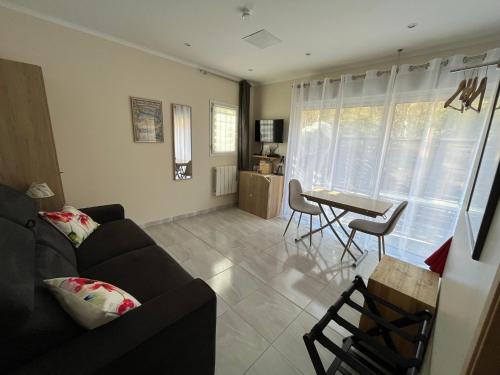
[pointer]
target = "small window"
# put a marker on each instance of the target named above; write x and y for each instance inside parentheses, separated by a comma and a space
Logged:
(223, 128)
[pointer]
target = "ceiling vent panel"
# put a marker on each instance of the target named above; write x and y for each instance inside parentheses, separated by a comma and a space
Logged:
(262, 39)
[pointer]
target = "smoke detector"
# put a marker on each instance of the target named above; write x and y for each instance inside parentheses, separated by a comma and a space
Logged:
(246, 13)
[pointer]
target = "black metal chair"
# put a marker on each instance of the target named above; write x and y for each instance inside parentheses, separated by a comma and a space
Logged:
(371, 352)
(375, 229)
(298, 203)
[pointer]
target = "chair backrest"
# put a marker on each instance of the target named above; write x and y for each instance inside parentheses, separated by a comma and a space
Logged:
(391, 223)
(295, 200)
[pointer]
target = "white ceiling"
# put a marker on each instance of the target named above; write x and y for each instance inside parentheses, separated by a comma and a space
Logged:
(335, 32)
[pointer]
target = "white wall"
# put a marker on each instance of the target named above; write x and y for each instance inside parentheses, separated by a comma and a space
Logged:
(88, 82)
(465, 286)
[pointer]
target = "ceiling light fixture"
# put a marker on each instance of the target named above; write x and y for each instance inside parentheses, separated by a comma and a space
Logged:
(250, 70)
(246, 13)
(412, 25)
(187, 44)
(308, 53)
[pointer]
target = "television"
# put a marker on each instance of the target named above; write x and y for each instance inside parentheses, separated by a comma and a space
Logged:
(269, 131)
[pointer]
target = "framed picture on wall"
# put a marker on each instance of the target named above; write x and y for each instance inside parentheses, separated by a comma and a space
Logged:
(147, 120)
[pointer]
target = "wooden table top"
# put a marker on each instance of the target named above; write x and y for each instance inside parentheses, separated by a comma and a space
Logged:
(350, 202)
(417, 283)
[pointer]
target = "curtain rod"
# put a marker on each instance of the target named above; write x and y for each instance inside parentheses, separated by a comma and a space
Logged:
(331, 80)
(205, 72)
(475, 67)
(425, 65)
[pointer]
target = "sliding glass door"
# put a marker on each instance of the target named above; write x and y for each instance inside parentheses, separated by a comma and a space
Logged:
(387, 135)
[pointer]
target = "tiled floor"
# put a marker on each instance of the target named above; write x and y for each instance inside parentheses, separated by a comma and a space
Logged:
(270, 289)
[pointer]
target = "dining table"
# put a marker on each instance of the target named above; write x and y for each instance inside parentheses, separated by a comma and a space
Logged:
(346, 202)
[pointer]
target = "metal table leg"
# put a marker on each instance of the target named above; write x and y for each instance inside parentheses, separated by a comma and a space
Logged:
(360, 258)
(337, 218)
(322, 226)
(329, 223)
(350, 241)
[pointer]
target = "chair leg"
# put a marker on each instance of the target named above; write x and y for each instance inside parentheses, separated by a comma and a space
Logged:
(383, 245)
(298, 225)
(348, 244)
(289, 221)
(310, 229)
(321, 224)
(379, 248)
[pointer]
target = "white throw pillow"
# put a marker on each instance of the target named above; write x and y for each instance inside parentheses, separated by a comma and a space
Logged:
(91, 303)
(71, 222)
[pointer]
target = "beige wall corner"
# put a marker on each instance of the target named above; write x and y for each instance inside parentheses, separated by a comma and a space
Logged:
(89, 81)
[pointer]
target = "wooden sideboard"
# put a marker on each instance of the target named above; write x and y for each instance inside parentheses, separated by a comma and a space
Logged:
(261, 194)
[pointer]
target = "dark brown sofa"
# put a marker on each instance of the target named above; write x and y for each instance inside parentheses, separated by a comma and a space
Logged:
(173, 332)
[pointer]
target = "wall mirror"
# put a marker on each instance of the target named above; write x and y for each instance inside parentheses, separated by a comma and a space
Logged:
(486, 187)
(181, 125)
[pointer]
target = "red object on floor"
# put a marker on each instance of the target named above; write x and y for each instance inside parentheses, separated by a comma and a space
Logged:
(437, 260)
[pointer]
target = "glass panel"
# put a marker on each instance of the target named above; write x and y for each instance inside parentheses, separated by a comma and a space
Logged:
(223, 129)
(359, 137)
(183, 163)
(428, 161)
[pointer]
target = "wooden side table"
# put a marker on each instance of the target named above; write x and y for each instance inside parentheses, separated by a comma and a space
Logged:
(407, 286)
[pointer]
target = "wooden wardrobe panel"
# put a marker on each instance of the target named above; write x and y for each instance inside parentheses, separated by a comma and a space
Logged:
(27, 150)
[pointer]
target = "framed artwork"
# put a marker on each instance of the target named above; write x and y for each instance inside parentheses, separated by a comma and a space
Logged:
(147, 120)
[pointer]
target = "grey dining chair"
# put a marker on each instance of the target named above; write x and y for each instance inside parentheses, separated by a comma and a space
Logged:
(375, 229)
(298, 203)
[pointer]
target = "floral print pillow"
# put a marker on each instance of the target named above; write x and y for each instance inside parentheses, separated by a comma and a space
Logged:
(74, 224)
(91, 303)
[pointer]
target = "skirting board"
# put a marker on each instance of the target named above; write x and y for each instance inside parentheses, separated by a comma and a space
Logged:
(189, 214)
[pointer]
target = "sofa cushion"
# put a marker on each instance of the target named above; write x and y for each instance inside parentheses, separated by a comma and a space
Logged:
(47, 235)
(16, 206)
(109, 240)
(17, 268)
(144, 273)
(50, 264)
(47, 327)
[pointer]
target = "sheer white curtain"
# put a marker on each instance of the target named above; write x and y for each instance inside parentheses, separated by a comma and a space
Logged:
(386, 135)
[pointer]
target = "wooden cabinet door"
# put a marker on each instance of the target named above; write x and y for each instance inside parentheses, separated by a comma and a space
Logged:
(275, 196)
(245, 198)
(260, 192)
(27, 150)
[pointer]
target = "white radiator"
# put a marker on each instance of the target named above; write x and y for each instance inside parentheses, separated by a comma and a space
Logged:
(225, 180)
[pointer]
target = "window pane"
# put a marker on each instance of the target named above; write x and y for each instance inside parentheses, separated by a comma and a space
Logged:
(428, 160)
(317, 143)
(223, 129)
(359, 137)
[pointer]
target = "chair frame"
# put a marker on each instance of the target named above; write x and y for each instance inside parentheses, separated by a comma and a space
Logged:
(380, 237)
(310, 224)
(380, 240)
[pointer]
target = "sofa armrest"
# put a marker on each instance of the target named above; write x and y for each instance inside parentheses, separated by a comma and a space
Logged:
(98, 348)
(104, 214)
